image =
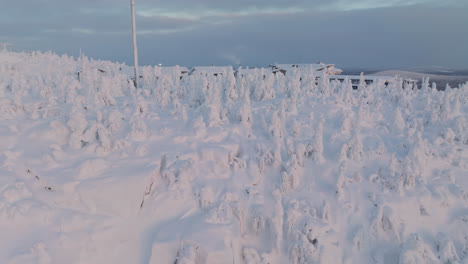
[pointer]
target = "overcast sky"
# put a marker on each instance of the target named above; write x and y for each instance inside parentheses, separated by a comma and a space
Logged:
(349, 33)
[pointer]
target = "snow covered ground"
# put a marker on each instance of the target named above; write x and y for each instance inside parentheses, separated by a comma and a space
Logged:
(253, 169)
(441, 80)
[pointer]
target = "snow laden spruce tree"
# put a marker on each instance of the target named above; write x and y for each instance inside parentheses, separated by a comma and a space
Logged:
(135, 51)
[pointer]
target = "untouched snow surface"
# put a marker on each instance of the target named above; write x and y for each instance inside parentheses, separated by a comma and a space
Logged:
(253, 169)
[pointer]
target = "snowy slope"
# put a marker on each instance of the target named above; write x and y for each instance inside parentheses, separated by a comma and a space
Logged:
(226, 170)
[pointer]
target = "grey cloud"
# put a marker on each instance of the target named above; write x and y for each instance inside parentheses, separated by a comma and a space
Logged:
(354, 39)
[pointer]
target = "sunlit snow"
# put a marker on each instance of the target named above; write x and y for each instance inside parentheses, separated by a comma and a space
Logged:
(245, 168)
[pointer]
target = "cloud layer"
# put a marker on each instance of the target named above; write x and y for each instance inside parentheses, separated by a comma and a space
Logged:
(350, 33)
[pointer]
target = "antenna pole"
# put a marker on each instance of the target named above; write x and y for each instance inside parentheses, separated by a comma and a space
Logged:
(135, 51)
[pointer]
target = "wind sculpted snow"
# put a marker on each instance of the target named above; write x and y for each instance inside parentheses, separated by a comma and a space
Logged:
(245, 168)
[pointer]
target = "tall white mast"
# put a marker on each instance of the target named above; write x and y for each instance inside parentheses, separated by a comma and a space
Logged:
(135, 51)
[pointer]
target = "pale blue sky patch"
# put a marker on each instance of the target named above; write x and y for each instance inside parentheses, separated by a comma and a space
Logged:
(83, 31)
(164, 31)
(102, 10)
(201, 14)
(352, 5)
